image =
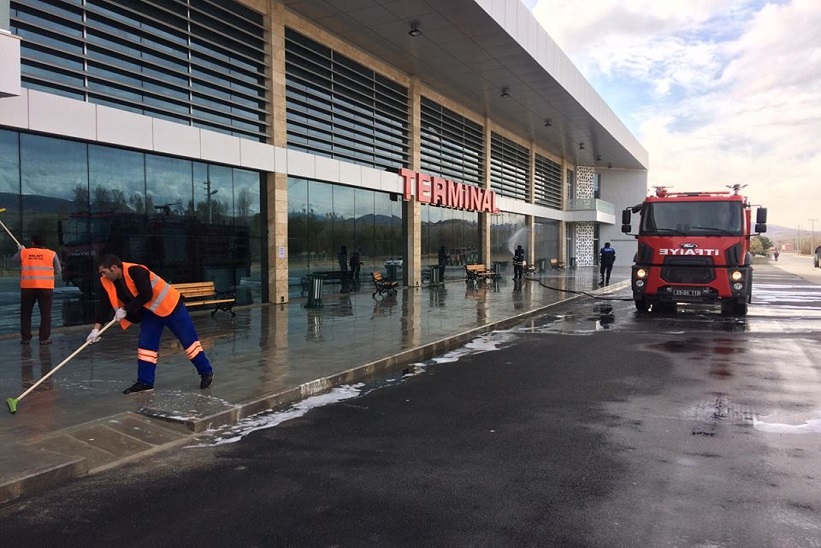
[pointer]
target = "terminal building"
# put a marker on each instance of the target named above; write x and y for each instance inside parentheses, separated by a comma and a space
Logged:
(246, 142)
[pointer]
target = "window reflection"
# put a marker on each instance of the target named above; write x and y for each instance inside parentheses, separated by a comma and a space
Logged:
(87, 200)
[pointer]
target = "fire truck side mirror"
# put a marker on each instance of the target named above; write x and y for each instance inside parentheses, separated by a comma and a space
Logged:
(761, 220)
(626, 216)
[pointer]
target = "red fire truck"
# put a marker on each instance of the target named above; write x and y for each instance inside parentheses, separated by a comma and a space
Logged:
(694, 247)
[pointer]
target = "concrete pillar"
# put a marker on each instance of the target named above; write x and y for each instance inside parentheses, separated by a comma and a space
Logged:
(277, 183)
(411, 209)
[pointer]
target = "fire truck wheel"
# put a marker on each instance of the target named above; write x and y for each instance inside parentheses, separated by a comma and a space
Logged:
(642, 305)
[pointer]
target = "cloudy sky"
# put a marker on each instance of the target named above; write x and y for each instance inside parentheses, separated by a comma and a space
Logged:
(718, 91)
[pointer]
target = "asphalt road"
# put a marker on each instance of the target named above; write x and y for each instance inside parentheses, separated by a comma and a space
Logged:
(593, 426)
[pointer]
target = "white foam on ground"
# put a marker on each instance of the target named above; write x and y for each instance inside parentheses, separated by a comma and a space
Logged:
(809, 426)
(268, 419)
(486, 343)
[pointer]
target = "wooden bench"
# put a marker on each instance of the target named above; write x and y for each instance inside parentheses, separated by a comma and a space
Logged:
(476, 272)
(555, 264)
(206, 294)
(381, 285)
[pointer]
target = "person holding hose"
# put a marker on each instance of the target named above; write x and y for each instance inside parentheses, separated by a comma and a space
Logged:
(140, 296)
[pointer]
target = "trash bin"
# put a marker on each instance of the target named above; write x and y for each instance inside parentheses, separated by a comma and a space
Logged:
(315, 292)
(434, 275)
(542, 264)
(572, 262)
(391, 272)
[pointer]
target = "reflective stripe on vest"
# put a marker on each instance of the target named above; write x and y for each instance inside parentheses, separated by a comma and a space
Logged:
(164, 297)
(37, 268)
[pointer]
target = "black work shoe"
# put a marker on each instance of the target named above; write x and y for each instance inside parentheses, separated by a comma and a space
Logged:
(138, 387)
(206, 381)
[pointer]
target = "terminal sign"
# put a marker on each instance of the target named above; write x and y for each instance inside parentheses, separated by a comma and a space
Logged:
(437, 191)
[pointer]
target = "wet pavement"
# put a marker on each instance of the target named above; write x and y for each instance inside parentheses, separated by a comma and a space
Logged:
(266, 357)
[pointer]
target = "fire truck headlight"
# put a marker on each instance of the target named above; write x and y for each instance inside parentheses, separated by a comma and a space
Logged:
(736, 275)
(738, 286)
(641, 274)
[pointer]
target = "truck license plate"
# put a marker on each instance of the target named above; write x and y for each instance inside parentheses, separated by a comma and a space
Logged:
(687, 292)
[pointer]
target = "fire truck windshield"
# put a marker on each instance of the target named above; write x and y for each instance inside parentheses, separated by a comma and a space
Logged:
(697, 218)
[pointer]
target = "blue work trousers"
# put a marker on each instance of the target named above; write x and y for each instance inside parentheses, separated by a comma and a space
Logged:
(151, 328)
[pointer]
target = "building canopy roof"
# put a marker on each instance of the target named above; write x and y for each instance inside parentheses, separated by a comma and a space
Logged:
(472, 51)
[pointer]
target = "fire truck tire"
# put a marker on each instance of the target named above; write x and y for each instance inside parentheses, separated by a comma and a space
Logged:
(642, 305)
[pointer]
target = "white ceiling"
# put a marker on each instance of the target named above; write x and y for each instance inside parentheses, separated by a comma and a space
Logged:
(469, 55)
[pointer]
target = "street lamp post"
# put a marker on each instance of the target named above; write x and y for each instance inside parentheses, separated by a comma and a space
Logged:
(812, 235)
(208, 194)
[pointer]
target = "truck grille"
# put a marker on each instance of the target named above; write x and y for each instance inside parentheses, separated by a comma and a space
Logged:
(688, 270)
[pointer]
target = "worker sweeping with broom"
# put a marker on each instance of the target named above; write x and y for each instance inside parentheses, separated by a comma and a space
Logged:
(137, 295)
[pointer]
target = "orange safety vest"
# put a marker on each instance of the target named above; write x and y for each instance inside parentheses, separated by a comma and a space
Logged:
(164, 296)
(37, 268)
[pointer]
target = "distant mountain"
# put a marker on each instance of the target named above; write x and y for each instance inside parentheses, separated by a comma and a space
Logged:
(48, 204)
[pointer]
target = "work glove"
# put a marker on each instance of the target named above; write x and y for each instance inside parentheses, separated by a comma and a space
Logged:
(119, 314)
(94, 336)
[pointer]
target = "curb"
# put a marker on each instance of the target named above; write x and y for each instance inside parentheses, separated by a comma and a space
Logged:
(182, 430)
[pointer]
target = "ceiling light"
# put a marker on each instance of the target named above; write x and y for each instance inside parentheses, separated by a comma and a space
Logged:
(548, 122)
(505, 93)
(581, 146)
(414, 31)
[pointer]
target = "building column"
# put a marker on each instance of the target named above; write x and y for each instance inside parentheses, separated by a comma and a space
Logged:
(412, 209)
(277, 183)
(530, 220)
(485, 218)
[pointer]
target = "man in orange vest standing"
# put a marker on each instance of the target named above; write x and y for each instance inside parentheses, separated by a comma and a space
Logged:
(137, 295)
(38, 266)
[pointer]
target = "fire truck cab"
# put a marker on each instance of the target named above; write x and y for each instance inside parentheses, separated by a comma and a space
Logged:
(694, 247)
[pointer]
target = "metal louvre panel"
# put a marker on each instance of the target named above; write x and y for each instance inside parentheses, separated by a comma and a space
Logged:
(192, 61)
(451, 146)
(341, 109)
(548, 182)
(509, 167)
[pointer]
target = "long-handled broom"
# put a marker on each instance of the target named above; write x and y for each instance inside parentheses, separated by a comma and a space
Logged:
(12, 402)
(2, 209)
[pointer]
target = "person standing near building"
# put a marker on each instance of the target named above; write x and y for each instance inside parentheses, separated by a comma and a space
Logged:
(342, 258)
(518, 263)
(38, 267)
(607, 256)
(140, 296)
(356, 265)
(443, 262)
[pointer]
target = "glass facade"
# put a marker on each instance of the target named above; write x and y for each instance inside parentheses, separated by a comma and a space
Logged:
(507, 230)
(87, 200)
(455, 229)
(340, 109)
(323, 217)
(196, 62)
